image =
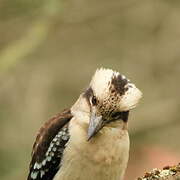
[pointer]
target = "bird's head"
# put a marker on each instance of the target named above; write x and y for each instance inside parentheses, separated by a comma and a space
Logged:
(110, 96)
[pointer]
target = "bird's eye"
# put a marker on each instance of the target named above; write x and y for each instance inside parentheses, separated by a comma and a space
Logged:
(116, 115)
(94, 100)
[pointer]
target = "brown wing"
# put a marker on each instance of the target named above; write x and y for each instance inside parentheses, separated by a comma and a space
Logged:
(49, 146)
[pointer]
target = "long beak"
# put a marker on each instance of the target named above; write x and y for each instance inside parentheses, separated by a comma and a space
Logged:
(95, 125)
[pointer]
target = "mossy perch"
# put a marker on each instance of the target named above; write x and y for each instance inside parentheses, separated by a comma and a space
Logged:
(168, 173)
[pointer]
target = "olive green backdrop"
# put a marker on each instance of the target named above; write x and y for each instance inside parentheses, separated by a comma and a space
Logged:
(49, 51)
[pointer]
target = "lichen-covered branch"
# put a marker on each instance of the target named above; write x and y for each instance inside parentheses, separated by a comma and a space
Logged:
(168, 173)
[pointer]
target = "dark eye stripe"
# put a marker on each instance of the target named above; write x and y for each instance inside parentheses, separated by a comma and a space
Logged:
(116, 115)
(121, 115)
(88, 94)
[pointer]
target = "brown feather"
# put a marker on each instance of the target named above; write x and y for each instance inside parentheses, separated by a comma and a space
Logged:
(45, 137)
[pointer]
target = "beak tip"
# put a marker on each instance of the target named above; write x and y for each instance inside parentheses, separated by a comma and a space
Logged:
(94, 126)
(89, 136)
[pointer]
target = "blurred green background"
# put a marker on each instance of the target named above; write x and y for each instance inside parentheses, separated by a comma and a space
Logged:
(49, 51)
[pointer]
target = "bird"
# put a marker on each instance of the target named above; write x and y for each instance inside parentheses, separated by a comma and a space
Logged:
(90, 140)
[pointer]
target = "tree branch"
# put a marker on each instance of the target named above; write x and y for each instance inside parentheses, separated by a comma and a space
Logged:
(168, 173)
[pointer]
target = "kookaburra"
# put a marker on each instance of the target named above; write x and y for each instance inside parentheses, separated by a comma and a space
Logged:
(90, 140)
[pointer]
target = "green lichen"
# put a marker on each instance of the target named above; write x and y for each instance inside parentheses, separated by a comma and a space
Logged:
(156, 174)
